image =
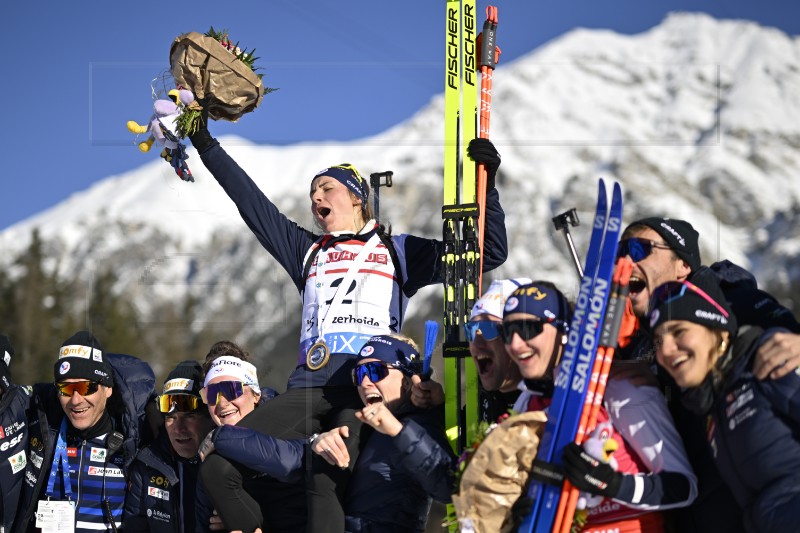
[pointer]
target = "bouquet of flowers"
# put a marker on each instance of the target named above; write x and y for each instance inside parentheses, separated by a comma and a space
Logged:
(494, 471)
(220, 74)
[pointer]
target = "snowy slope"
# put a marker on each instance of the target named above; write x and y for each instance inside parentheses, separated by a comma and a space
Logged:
(697, 118)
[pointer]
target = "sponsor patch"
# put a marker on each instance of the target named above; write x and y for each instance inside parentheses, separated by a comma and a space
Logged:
(366, 351)
(107, 472)
(17, 462)
(511, 303)
(6, 358)
(155, 492)
(36, 459)
(72, 452)
(84, 352)
(64, 368)
(98, 454)
(2, 433)
(181, 384)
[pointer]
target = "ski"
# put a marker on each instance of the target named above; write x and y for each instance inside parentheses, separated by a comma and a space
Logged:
(609, 339)
(577, 360)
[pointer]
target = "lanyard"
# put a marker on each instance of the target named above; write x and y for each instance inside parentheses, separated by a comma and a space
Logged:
(60, 455)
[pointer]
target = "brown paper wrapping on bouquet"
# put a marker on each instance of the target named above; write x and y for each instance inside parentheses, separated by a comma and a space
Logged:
(497, 473)
(202, 64)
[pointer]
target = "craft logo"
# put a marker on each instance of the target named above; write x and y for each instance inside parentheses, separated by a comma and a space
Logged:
(107, 472)
(17, 462)
(674, 233)
(178, 384)
(98, 454)
(707, 315)
(161, 494)
(64, 368)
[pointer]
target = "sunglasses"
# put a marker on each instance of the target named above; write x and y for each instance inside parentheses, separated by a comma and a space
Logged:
(638, 248)
(84, 388)
(375, 370)
(170, 403)
(674, 290)
(230, 390)
(526, 328)
(489, 330)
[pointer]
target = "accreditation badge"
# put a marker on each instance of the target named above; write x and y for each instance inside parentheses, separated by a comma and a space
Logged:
(318, 355)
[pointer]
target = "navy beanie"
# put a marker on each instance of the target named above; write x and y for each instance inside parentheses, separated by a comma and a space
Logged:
(82, 357)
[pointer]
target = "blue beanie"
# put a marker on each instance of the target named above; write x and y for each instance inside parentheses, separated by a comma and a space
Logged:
(542, 301)
(392, 351)
(347, 175)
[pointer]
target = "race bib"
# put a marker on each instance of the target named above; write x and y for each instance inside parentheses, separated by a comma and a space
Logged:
(56, 516)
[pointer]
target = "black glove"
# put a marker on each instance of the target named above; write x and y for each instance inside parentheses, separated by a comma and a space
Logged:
(588, 474)
(201, 138)
(483, 151)
(521, 509)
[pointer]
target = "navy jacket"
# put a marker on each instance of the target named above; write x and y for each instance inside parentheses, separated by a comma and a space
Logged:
(133, 389)
(288, 243)
(754, 440)
(161, 491)
(13, 451)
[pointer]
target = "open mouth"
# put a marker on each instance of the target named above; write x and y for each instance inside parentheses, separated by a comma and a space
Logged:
(485, 363)
(324, 211)
(679, 361)
(225, 414)
(373, 398)
(636, 285)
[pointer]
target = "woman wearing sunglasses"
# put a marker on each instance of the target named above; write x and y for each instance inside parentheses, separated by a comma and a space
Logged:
(231, 392)
(354, 279)
(535, 325)
(752, 425)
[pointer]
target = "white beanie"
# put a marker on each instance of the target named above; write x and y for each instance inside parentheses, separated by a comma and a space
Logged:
(493, 300)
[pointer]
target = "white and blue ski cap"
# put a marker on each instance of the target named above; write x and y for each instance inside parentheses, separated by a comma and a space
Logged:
(494, 299)
(233, 367)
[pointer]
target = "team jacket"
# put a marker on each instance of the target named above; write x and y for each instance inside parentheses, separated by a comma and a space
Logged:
(393, 480)
(93, 472)
(753, 433)
(374, 301)
(161, 491)
(13, 451)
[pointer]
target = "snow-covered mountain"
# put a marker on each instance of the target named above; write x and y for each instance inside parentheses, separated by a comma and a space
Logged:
(697, 118)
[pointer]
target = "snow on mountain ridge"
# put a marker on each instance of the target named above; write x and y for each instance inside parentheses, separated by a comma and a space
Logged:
(695, 117)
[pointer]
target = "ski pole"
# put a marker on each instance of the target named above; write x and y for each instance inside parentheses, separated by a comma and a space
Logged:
(376, 184)
(490, 55)
(562, 223)
(597, 385)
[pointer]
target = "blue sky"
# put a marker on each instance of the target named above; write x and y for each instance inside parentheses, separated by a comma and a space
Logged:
(74, 73)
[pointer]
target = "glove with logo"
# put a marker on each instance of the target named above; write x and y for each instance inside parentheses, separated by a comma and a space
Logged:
(588, 474)
(483, 151)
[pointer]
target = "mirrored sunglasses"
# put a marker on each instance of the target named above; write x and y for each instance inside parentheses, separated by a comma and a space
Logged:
(489, 330)
(525, 328)
(230, 390)
(84, 388)
(170, 403)
(638, 248)
(375, 370)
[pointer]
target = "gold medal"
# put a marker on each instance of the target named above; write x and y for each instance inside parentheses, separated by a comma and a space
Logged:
(318, 355)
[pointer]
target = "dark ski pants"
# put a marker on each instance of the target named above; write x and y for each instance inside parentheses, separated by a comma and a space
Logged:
(297, 413)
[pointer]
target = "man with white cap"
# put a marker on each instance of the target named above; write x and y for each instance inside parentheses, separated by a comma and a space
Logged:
(163, 480)
(497, 372)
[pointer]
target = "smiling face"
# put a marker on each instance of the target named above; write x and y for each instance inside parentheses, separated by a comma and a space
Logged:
(660, 266)
(688, 351)
(334, 207)
(186, 430)
(537, 356)
(232, 411)
(83, 412)
(389, 390)
(496, 370)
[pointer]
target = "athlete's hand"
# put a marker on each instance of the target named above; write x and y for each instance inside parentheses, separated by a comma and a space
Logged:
(381, 418)
(426, 394)
(778, 356)
(483, 151)
(330, 445)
